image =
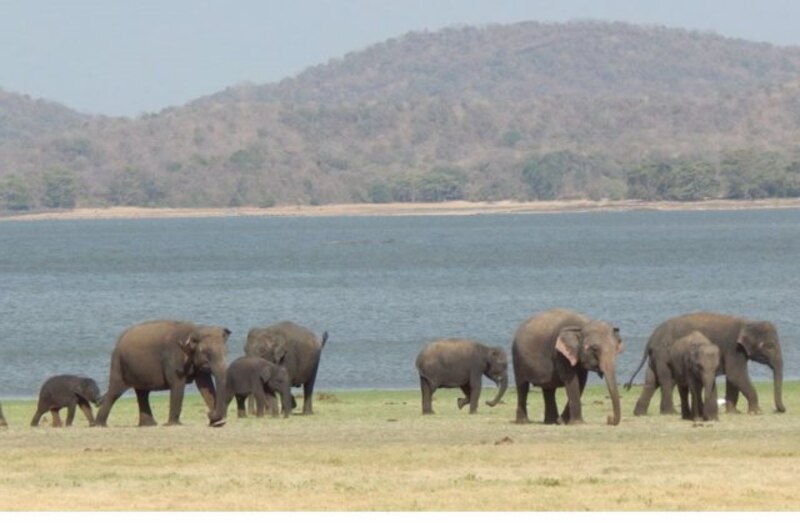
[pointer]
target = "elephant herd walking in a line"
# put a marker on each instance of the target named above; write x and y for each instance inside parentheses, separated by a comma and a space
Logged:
(552, 349)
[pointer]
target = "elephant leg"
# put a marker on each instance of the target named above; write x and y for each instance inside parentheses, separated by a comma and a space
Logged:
(522, 400)
(475, 393)
(308, 397)
(40, 410)
(56, 418)
(251, 405)
(427, 395)
(87, 411)
(241, 410)
(70, 414)
(550, 407)
(648, 390)
(115, 389)
(467, 390)
(667, 383)
(686, 408)
(711, 410)
(566, 415)
(262, 401)
(176, 402)
(737, 380)
(146, 418)
(273, 407)
(573, 408)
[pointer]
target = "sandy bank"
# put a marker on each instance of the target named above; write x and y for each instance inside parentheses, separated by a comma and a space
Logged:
(458, 208)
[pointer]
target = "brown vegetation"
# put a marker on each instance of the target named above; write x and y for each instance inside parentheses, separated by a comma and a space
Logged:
(534, 111)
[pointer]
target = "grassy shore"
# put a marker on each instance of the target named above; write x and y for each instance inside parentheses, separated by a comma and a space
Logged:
(373, 450)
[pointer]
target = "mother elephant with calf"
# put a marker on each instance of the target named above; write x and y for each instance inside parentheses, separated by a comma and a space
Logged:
(739, 341)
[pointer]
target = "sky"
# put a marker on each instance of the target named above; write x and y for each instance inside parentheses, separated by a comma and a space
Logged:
(131, 57)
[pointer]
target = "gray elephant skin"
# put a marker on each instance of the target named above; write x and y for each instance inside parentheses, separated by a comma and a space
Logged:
(67, 390)
(740, 340)
(693, 361)
(293, 346)
(253, 375)
(456, 362)
(166, 355)
(557, 348)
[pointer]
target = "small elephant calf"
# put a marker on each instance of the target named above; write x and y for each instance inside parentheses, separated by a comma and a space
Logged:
(451, 363)
(253, 375)
(68, 391)
(693, 362)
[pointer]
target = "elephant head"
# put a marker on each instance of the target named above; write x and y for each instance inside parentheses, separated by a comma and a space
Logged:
(276, 378)
(594, 347)
(497, 370)
(87, 389)
(205, 350)
(759, 341)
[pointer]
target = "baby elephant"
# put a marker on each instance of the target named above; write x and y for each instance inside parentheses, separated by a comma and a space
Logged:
(259, 377)
(67, 391)
(693, 362)
(451, 363)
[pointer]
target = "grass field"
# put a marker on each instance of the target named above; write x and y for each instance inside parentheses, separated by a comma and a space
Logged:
(373, 450)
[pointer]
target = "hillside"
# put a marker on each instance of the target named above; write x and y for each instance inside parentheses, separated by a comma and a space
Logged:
(536, 111)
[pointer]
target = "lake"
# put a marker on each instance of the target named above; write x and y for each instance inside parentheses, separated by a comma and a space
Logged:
(384, 286)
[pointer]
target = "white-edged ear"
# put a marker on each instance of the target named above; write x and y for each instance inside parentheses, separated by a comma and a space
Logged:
(568, 344)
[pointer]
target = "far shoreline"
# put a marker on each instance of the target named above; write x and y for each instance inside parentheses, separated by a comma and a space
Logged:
(450, 208)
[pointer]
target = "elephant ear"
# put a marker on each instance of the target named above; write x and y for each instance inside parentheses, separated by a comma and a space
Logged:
(568, 344)
(279, 355)
(190, 344)
(745, 341)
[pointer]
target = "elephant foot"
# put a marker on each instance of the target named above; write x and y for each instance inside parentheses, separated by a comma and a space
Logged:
(731, 409)
(217, 424)
(754, 411)
(147, 422)
(461, 402)
(576, 421)
(427, 412)
(173, 423)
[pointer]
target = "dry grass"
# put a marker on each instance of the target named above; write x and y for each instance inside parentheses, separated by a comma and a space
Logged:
(373, 450)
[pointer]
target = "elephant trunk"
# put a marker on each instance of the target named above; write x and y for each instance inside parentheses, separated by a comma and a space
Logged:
(217, 413)
(613, 392)
(503, 385)
(709, 404)
(287, 400)
(777, 376)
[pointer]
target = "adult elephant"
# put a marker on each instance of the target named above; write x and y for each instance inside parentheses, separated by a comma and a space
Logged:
(739, 341)
(558, 348)
(461, 363)
(166, 355)
(293, 346)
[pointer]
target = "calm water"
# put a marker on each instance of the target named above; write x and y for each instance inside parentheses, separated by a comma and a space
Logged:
(383, 287)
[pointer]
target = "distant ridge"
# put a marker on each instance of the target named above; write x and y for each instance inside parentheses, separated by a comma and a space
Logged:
(524, 111)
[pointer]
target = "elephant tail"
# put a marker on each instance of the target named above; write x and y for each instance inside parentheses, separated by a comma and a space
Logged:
(324, 340)
(628, 385)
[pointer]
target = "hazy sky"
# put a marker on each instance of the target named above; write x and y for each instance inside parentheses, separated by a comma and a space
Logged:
(126, 57)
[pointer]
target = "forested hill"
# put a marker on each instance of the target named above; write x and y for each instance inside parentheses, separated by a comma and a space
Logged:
(537, 111)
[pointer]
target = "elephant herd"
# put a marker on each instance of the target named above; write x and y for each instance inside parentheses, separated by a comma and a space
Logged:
(554, 348)
(558, 347)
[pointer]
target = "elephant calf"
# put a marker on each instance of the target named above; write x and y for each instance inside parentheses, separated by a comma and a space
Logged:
(451, 363)
(693, 361)
(253, 375)
(67, 391)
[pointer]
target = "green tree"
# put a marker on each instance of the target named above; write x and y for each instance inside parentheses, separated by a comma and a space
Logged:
(15, 194)
(60, 190)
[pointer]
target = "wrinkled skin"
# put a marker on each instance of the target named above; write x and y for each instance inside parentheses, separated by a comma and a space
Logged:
(166, 355)
(557, 348)
(67, 391)
(451, 363)
(739, 341)
(293, 346)
(252, 375)
(693, 361)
